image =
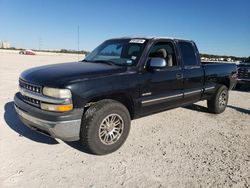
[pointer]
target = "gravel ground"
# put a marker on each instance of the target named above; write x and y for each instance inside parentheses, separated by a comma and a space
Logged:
(184, 147)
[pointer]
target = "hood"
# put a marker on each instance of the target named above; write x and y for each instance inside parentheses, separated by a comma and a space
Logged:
(57, 75)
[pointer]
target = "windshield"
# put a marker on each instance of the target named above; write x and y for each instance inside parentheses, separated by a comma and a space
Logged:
(125, 52)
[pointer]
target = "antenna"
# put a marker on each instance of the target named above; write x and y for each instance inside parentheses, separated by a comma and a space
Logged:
(78, 41)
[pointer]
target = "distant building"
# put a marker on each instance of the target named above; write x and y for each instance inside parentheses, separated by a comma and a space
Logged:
(204, 59)
(4, 44)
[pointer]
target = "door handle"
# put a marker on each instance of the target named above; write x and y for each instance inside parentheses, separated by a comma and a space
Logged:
(179, 76)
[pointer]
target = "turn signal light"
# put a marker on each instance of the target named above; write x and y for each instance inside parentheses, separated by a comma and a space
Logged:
(56, 108)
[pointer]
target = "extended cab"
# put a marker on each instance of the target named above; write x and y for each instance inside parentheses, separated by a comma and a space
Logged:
(122, 79)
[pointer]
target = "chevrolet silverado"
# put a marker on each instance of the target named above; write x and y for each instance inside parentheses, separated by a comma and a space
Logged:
(94, 100)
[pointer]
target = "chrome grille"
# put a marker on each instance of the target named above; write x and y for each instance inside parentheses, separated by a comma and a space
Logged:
(32, 88)
(31, 101)
(244, 72)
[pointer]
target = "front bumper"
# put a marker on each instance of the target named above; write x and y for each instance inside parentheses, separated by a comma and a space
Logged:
(243, 81)
(65, 126)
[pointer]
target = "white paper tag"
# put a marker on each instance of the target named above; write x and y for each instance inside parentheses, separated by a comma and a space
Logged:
(129, 61)
(138, 41)
(133, 57)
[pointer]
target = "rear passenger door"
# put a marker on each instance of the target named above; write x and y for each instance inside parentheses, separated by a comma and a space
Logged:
(193, 73)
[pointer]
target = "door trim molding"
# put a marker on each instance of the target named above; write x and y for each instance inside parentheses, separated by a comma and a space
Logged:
(176, 96)
(159, 99)
(209, 88)
(192, 92)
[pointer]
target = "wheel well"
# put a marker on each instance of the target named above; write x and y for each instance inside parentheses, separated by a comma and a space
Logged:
(120, 97)
(225, 82)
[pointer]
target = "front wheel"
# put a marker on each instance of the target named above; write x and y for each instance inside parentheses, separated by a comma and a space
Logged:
(218, 103)
(105, 127)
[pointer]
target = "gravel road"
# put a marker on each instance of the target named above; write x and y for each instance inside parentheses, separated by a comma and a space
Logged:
(184, 147)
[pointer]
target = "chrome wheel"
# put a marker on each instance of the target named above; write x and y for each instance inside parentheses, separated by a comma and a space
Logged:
(223, 99)
(111, 129)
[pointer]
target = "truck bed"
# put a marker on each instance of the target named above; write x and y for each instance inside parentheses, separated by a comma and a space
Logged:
(218, 72)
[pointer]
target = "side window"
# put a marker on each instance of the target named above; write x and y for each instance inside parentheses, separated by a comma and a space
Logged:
(188, 53)
(134, 50)
(164, 50)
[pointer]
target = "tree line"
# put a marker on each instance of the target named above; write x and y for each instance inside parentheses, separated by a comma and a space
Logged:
(233, 58)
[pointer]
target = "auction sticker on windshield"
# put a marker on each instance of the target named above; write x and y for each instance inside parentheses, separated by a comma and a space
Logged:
(140, 41)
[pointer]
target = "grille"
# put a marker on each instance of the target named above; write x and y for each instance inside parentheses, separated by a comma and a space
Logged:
(31, 101)
(32, 88)
(243, 73)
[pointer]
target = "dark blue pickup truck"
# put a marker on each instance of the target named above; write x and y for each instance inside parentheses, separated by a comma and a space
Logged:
(95, 100)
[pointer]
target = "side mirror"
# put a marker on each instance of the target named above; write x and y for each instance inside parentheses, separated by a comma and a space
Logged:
(157, 62)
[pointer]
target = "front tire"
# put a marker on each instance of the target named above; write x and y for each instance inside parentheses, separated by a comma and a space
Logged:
(105, 127)
(218, 103)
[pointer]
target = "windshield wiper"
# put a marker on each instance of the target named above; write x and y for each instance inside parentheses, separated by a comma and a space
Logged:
(108, 62)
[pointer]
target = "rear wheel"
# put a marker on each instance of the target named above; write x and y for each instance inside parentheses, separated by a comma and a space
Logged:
(218, 103)
(105, 127)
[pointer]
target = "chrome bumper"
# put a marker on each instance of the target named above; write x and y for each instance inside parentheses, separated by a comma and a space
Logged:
(64, 130)
(243, 79)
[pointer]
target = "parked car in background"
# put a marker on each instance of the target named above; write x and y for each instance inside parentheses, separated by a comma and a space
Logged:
(243, 74)
(27, 52)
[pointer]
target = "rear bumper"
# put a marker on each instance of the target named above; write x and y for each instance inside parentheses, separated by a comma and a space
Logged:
(65, 126)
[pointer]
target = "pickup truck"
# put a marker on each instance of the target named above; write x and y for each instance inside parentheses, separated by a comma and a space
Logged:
(94, 100)
(243, 74)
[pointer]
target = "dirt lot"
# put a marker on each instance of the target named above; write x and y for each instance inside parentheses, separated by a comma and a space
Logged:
(184, 147)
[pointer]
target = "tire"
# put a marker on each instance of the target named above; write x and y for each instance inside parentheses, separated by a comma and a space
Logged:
(95, 133)
(218, 103)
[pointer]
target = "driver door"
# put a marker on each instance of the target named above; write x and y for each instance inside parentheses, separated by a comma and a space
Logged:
(161, 88)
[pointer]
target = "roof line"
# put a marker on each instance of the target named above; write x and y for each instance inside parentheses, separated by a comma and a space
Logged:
(150, 37)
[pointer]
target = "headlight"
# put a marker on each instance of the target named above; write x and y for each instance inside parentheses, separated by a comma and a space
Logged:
(57, 93)
(56, 108)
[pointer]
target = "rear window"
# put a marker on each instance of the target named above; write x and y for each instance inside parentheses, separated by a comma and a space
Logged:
(188, 53)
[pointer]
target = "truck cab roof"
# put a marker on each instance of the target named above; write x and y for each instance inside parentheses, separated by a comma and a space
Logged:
(151, 38)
